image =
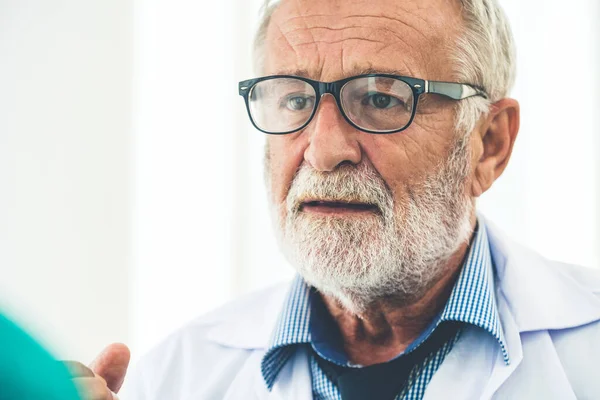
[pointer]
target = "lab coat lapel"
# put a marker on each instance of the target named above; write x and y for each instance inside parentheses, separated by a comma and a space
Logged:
(527, 288)
(466, 373)
(246, 381)
(293, 382)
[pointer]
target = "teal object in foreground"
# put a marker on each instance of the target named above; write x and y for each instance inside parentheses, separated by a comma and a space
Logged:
(28, 371)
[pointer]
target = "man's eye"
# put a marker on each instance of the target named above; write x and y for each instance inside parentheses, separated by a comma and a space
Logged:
(298, 103)
(381, 101)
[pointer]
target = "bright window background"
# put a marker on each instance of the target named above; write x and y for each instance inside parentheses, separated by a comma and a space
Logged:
(132, 197)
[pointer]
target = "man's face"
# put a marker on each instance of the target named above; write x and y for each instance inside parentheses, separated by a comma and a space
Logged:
(410, 187)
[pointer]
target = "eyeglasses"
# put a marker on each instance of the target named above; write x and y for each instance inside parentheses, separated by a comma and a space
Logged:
(373, 103)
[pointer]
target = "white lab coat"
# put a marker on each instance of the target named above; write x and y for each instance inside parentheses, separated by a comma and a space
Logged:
(550, 314)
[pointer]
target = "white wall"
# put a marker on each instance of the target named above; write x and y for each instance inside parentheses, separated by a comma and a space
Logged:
(65, 111)
(184, 163)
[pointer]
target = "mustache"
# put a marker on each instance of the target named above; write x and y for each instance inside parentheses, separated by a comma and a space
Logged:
(346, 184)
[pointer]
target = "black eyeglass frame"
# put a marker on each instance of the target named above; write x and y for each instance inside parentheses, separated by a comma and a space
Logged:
(452, 90)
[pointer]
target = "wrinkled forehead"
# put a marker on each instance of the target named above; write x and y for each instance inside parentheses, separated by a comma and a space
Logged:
(332, 39)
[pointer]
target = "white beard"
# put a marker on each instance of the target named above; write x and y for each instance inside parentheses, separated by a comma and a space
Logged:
(398, 253)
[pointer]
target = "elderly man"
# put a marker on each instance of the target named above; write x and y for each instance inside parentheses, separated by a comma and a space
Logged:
(386, 120)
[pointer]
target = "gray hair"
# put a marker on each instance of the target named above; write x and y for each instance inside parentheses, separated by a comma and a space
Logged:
(484, 56)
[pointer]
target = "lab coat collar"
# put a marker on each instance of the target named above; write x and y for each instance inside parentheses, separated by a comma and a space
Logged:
(541, 294)
(248, 323)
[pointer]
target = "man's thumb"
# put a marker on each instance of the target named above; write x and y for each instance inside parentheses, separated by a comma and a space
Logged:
(111, 364)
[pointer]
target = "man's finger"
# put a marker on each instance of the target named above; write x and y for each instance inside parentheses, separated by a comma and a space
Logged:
(78, 370)
(112, 365)
(93, 389)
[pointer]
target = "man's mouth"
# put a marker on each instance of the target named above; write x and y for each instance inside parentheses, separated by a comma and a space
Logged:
(337, 207)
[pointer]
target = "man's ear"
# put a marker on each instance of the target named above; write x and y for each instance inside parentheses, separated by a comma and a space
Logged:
(497, 135)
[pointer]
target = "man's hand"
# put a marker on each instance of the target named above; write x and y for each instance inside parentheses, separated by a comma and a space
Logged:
(105, 375)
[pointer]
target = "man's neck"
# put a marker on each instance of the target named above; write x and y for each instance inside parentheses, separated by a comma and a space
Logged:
(387, 329)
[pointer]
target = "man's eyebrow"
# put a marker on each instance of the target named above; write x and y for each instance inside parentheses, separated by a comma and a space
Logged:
(295, 72)
(388, 71)
(353, 72)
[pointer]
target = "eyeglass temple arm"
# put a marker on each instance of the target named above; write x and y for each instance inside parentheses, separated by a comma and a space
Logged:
(456, 91)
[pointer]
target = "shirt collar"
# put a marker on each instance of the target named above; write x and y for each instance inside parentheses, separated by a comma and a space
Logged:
(292, 328)
(472, 301)
(473, 298)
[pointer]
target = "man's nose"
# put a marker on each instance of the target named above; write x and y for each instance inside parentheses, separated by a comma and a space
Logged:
(332, 140)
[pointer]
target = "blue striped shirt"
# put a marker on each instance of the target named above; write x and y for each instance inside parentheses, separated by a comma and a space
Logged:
(472, 301)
